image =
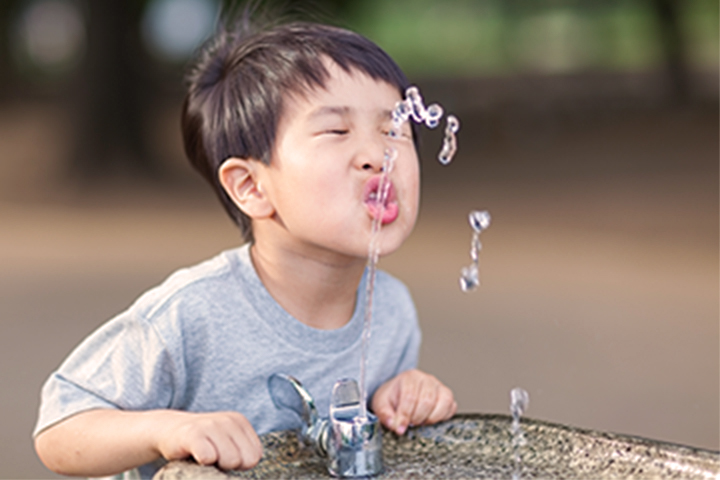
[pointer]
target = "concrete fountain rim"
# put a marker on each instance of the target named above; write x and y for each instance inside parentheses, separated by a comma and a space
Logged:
(560, 451)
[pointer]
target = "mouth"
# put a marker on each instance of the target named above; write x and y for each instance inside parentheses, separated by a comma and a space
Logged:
(388, 210)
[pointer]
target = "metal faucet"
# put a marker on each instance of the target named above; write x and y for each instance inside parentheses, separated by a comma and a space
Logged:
(351, 445)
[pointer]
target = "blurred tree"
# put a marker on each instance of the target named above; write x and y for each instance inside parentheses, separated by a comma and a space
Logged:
(117, 81)
(6, 78)
(333, 11)
(111, 94)
(673, 46)
(116, 86)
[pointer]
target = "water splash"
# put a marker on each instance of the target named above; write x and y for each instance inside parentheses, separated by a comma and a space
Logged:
(450, 141)
(519, 401)
(412, 107)
(470, 275)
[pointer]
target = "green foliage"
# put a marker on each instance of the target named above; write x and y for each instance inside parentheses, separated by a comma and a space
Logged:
(700, 24)
(480, 37)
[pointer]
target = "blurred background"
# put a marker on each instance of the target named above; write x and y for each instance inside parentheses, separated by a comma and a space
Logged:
(589, 131)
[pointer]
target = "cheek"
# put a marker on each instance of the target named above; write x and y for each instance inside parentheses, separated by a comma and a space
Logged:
(321, 194)
(411, 177)
(310, 179)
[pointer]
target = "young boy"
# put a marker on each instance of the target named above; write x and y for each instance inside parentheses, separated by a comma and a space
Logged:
(289, 125)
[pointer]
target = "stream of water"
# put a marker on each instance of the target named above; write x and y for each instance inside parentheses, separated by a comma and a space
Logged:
(519, 401)
(412, 107)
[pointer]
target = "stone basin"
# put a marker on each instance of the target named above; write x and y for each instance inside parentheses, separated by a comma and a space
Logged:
(479, 446)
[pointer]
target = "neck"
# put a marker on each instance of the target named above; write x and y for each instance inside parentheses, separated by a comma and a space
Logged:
(317, 288)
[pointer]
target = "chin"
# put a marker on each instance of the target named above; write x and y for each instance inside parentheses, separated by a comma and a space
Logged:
(392, 243)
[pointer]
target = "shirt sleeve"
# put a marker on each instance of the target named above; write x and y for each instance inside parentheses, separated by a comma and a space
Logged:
(123, 365)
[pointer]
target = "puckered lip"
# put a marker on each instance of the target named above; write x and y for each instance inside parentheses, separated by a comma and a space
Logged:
(371, 199)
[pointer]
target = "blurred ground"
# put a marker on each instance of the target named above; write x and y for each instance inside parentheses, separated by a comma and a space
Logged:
(600, 270)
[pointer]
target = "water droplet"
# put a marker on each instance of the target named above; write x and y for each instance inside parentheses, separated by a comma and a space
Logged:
(401, 113)
(433, 115)
(453, 124)
(519, 401)
(450, 141)
(416, 103)
(469, 278)
(479, 220)
(475, 248)
(448, 151)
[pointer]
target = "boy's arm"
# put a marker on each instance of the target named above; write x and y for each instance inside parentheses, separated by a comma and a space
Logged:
(412, 398)
(107, 442)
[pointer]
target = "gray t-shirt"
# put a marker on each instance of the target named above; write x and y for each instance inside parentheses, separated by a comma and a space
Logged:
(208, 338)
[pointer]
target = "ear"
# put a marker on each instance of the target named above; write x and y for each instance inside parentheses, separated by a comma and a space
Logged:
(239, 179)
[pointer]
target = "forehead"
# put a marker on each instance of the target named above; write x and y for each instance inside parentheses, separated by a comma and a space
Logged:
(352, 91)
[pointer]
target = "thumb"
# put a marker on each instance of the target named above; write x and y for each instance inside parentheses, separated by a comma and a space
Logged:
(386, 414)
(384, 405)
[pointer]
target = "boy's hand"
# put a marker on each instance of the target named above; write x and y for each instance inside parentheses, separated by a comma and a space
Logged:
(225, 438)
(412, 398)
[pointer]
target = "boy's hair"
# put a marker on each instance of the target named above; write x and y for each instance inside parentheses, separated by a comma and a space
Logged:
(242, 77)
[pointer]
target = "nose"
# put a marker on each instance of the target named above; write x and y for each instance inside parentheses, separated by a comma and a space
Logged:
(370, 154)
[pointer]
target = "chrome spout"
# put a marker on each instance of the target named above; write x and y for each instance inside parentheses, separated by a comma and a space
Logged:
(287, 392)
(355, 447)
(351, 444)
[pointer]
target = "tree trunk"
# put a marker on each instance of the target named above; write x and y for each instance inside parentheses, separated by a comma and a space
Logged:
(673, 45)
(110, 95)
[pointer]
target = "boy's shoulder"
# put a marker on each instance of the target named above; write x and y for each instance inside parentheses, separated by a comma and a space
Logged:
(205, 283)
(226, 284)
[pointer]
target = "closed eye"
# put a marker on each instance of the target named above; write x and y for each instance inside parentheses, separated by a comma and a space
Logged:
(333, 131)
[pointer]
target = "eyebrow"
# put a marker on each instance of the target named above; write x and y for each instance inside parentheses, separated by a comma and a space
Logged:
(343, 111)
(387, 113)
(323, 111)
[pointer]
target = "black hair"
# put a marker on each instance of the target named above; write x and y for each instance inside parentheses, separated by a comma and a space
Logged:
(241, 78)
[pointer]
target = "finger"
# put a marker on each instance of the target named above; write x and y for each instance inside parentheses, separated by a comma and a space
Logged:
(250, 446)
(407, 400)
(445, 407)
(426, 402)
(229, 455)
(203, 451)
(239, 445)
(386, 415)
(257, 450)
(382, 405)
(175, 450)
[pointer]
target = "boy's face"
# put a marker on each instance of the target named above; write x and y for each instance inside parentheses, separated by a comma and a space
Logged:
(326, 164)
